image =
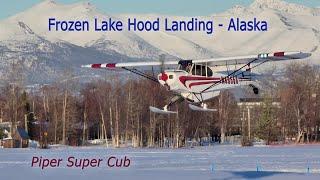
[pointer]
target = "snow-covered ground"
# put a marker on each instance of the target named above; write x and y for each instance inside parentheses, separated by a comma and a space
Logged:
(218, 162)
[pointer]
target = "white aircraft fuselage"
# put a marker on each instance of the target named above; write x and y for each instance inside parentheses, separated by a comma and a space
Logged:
(191, 86)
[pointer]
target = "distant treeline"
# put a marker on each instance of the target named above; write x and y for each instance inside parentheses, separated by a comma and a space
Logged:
(118, 110)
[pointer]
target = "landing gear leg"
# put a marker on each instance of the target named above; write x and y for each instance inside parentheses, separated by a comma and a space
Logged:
(174, 99)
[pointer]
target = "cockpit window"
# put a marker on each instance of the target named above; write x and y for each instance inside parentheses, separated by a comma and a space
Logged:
(188, 68)
(201, 70)
(185, 65)
(209, 72)
(198, 70)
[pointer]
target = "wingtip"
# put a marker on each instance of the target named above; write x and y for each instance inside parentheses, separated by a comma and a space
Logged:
(305, 54)
(308, 54)
(86, 66)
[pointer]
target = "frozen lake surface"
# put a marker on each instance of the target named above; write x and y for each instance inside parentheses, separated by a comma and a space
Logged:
(217, 162)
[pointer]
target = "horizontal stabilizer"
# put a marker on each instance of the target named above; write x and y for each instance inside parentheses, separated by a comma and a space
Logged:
(199, 108)
(161, 111)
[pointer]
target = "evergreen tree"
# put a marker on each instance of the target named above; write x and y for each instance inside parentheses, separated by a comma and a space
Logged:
(266, 127)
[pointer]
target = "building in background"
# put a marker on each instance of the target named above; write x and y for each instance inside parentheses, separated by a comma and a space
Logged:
(20, 139)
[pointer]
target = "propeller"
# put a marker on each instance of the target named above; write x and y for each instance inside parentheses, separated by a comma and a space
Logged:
(162, 58)
(164, 76)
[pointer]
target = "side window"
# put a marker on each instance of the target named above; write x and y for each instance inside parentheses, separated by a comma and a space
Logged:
(203, 70)
(209, 72)
(194, 69)
(198, 70)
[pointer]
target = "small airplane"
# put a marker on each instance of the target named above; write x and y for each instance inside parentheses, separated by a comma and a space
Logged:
(197, 81)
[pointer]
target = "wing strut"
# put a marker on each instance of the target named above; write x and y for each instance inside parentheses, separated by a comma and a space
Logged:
(142, 74)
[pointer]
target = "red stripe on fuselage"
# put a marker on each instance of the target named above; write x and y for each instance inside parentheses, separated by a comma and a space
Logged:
(201, 83)
(222, 80)
(183, 79)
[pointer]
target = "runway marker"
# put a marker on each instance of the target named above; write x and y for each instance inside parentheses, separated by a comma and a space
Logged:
(212, 167)
(258, 168)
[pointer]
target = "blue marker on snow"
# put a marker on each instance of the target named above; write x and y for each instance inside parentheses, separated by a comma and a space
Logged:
(212, 167)
(258, 168)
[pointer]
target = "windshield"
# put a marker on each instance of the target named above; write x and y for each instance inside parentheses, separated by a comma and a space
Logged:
(185, 67)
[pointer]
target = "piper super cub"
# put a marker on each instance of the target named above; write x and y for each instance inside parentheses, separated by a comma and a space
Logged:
(199, 80)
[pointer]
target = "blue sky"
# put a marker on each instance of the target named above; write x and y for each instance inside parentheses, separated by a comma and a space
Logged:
(174, 7)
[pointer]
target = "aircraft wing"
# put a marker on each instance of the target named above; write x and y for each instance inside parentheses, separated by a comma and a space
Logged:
(221, 61)
(264, 57)
(131, 64)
